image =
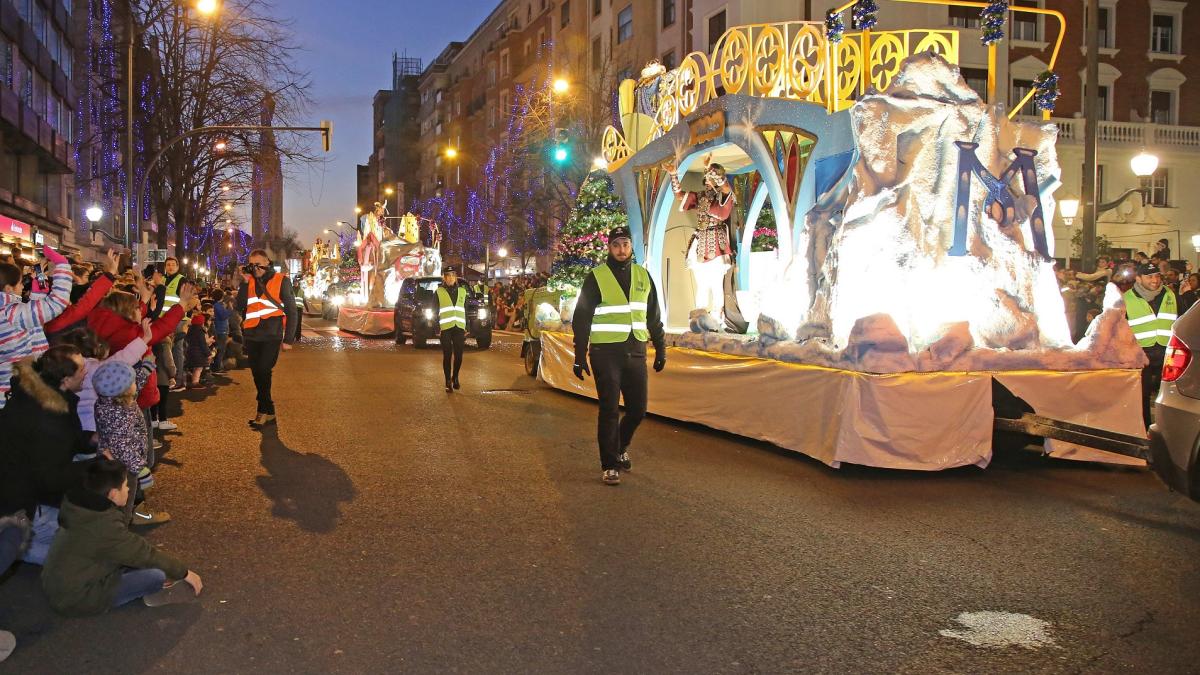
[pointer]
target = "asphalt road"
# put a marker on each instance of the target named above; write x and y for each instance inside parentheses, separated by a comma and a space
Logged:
(389, 527)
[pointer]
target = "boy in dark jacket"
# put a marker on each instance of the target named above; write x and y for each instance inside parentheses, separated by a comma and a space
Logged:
(86, 573)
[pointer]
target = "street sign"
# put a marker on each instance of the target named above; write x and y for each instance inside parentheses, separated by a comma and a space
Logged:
(156, 255)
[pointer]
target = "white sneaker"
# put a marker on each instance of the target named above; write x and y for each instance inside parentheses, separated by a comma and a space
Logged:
(8, 643)
(166, 425)
(153, 424)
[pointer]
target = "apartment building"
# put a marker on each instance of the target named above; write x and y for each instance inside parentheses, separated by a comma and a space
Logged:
(37, 110)
(391, 171)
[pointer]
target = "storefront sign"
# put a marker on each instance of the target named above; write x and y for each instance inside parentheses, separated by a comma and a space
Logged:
(14, 228)
(707, 128)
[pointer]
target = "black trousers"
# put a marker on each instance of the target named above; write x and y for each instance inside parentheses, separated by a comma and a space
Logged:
(1151, 378)
(618, 374)
(263, 356)
(454, 340)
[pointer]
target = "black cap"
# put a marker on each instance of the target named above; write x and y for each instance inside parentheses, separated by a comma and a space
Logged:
(619, 232)
(1148, 269)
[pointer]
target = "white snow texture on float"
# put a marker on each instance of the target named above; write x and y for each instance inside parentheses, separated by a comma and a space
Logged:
(888, 297)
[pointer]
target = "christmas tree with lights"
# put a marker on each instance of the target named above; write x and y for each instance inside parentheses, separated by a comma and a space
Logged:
(583, 241)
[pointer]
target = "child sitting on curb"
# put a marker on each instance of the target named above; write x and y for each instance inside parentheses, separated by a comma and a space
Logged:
(86, 571)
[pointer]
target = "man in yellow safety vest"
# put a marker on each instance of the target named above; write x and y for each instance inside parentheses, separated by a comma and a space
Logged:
(618, 314)
(1151, 309)
(452, 325)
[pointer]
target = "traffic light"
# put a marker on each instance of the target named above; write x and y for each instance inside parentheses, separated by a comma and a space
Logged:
(326, 135)
(562, 149)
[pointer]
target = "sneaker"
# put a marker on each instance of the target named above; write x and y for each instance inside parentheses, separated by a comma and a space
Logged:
(626, 463)
(166, 425)
(449, 386)
(261, 420)
(173, 594)
(8, 643)
(456, 385)
(178, 387)
(157, 445)
(142, 515)
(611, 477)
(154, 424)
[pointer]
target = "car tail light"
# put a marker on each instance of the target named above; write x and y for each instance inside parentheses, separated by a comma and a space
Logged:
(1177, 359)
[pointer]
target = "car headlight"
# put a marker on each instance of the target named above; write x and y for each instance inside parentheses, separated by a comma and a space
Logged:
(338, 300)
(428, 313)
(482, 314)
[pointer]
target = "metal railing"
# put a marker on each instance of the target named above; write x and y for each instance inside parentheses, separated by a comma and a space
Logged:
(1127, 133)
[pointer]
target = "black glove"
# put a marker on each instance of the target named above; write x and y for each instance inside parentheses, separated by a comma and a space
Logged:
(581, 367)
(660, 360)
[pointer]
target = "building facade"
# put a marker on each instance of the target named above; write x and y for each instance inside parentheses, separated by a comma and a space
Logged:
(392, 168)
(37, 111)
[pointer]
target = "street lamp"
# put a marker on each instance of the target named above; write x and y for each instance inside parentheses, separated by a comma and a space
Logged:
(206, 7)
(389, 191)
(1069, 207)
(220, 146)
(502, 252)
(561, 85)
(451, 153)
(357, 210)
(94, 213)
(1143, 164)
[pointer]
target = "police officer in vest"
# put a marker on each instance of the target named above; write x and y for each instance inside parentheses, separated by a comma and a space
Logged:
(168, 297)
(268, 308)
(1151, 308)
(452, 319)
(618, 313)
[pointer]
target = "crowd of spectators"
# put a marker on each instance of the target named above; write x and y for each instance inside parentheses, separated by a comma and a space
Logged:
(1083, 293)
(89, 358)
(509, 299)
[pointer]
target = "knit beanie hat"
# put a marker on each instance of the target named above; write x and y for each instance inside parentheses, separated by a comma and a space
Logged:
(112, 379)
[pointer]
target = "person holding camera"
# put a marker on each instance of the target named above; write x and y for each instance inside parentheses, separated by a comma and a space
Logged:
(266, 302)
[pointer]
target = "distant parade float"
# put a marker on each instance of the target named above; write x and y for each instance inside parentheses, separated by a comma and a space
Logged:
(854, 251)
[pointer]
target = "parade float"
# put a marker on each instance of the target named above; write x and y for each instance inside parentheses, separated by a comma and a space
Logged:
(386, 258)
(911, 285)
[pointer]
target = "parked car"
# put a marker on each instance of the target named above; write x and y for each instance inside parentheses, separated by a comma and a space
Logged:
(417, 313)
(1175, 433)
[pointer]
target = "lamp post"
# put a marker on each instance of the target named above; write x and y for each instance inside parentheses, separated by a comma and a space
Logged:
(1143, 165)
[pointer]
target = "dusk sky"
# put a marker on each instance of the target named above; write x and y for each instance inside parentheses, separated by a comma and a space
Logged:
(348, 49)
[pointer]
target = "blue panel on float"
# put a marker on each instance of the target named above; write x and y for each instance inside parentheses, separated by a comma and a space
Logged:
(829, 170)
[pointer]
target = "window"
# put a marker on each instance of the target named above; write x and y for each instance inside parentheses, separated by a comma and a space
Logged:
(1104, 103)
(525, 51)
(595, 7)
(504, 70)
(976, 79)
(1020, 89)
(1162, 34)
(716, 28)
(597, 57)
(1024, 24)
(964, 17)
(1107, 39)
(668, 13)
(1157, 183)
(1162, 107)
(27, 87)
(39, 22)
(668, 60)
(6, 62)
(625, 24)
(565, 14)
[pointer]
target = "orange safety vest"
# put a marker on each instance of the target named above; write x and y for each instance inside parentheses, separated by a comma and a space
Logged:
(258, 308)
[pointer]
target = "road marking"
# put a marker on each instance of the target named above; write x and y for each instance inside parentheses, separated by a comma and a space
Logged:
(1000, 629)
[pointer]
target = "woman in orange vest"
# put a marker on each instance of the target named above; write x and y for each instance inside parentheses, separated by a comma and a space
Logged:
(267, 307)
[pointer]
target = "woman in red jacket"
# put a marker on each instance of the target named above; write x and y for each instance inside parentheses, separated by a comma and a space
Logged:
(117, 321)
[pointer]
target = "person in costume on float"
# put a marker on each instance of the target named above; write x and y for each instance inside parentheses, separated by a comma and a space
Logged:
(1151, 309)
(370, 251)
(710, 251)
(618, 313)
(265, 300)
(452, 317)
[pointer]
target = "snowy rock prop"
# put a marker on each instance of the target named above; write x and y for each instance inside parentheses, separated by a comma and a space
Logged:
(876, 345)
(770, 330)
(955, 341)
(547, 317)
(890, 226)
(700, 321)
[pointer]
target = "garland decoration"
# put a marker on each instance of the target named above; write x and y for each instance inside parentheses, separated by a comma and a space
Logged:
(835, 26)
(1045, 91)
(865, 14)
(992, 20)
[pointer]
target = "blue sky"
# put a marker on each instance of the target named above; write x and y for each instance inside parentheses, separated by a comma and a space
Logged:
(347, 49)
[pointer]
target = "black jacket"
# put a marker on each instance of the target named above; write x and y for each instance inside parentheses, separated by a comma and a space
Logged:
(41, 434)
(585, 310)
(271, 328)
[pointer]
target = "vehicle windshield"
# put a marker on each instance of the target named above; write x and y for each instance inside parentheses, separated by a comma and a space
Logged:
(430, 284)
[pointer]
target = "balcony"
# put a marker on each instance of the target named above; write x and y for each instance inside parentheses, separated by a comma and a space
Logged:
(1141, 134)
